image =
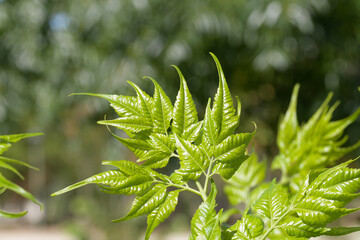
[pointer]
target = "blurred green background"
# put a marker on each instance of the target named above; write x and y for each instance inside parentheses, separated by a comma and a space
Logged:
(51, 48)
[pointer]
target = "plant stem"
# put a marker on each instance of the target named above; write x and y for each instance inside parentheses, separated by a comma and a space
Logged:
(187, 188)
(207, 176)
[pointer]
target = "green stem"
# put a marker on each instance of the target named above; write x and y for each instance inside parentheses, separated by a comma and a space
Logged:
(207, 177)
(175, 155)
(187, 188)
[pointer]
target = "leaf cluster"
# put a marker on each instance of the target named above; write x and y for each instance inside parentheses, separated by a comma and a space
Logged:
(159, 131)
(9, 164)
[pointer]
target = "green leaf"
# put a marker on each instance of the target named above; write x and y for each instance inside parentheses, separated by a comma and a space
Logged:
(138, 146)
(296, 228)
(162, 143)
(162, 212)
(13, 138)
(223, 110)
(339, 231)
(324, 194)
(128, 124)
(146, 203)
(9, 167)
(126, 167)
(4, 183)
(17, 162)
(7, 163)
(211, 129)
(205, 223)
(250, 174)
(155, 159)
(185, 113)
(273, 203)
(162, 111)
(12, 215)
(6, 140)
(249, 227)
(192, 133)
(230, 154)
(124, 106)
(233, 147)
(145, 103)
(313, 145)
(112, 178)
(129, 168)
(193, 161)
(228, 169)
(288, 126)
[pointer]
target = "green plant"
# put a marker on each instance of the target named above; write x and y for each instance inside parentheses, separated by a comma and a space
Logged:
(160, 132)
(7, 163)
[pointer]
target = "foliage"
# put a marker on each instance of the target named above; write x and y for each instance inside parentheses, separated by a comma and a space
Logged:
(49, 49)
(160, 132)
(7, 163)
(316, 144)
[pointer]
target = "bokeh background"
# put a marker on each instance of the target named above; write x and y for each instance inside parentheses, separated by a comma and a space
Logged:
(51, 48)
